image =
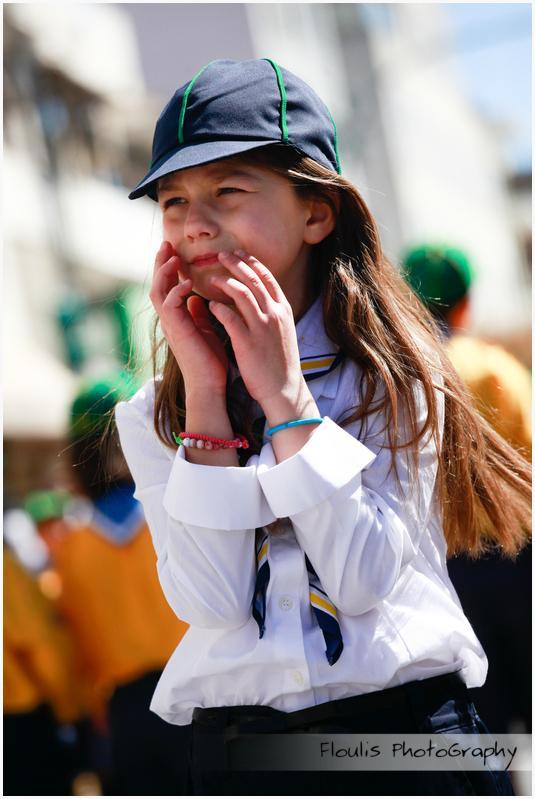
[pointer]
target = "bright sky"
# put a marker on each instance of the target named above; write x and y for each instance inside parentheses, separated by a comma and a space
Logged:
(492, 46)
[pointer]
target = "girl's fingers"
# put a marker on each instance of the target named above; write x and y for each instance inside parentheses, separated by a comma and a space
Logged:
(198, 310)
(165, 279)
(230, 319)
(164, 253)
(241, 270)
(242, 296)
(175, 297)
(267, 277)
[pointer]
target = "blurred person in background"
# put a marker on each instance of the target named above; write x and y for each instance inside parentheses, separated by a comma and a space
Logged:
(47, 510)
(500, 385)
(495, 592)
(39, 691)
(111, 599)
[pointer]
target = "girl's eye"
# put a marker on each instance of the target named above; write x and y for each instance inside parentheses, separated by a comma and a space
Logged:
(182, 200)
(173, 201)
(228, 190)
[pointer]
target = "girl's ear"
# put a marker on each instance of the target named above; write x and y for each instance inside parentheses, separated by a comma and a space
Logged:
(321, 220)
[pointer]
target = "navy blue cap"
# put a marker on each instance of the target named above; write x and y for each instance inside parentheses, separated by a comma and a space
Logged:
(230, 107)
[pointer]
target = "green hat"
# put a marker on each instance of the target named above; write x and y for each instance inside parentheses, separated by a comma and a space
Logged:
(45, 505)
(439, 274)
(95, 401)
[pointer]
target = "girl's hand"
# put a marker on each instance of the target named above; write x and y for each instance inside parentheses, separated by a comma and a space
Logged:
(261, 328)
(186, 325)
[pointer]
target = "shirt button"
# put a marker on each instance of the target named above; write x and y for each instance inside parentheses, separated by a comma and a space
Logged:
(286, 603)
(298, 677)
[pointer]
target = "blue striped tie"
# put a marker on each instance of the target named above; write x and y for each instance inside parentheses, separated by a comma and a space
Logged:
(326, 616)
(324, 610)
(320, 365)
(262, 581)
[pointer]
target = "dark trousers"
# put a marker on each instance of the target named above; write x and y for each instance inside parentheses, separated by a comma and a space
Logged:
(149, 756)
(428, 706)
(496, 596)
(34, 763)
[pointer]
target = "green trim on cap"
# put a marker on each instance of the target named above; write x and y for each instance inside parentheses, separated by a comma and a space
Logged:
(185, 102)
(338, 167)
(282, 91)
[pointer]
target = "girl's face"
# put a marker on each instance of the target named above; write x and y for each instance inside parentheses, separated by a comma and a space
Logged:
(229, 205)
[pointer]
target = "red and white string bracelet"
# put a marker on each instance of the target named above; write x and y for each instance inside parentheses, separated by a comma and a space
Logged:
(201, 441)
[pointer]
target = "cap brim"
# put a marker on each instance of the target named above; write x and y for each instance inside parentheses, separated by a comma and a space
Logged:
(192, 155)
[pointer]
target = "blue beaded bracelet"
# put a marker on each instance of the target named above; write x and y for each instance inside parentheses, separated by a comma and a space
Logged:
(297, 422)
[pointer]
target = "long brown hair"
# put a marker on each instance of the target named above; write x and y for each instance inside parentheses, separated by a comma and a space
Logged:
(483, 483)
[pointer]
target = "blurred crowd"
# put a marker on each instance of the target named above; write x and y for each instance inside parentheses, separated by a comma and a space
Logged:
(495, 592)
(87, 634)
(87, 630)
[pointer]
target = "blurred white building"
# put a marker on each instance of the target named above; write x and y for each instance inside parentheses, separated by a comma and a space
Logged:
(447, 162)
(73, 94)
(75, 127)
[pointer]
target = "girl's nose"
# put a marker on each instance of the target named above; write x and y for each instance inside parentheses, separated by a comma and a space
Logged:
(199, 222)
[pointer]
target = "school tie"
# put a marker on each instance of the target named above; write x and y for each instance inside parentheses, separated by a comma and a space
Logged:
(262, 581)
(326, 616)
(324, 610)
(319, 365)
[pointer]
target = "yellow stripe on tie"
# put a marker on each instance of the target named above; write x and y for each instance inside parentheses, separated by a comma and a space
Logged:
(322, 363)
(262, 552)
(324, 604)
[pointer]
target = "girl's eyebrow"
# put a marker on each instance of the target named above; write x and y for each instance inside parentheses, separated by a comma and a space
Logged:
(231, 172)
(217, 174)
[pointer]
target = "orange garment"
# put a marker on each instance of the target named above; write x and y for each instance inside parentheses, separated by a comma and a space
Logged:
(113, 603)
(500, 386)
(38, 663)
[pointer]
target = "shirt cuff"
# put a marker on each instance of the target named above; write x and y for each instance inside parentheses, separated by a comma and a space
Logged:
(217, 497)
(328, 461)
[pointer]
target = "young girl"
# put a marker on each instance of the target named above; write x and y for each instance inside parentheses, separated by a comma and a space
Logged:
(307, 456)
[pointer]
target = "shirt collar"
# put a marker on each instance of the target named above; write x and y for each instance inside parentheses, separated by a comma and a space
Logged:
(317, 352)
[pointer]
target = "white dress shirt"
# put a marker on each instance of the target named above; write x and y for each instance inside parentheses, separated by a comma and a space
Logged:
(379, 552)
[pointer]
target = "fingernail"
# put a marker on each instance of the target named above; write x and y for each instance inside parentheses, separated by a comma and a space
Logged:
(240, 253)
(224, 253)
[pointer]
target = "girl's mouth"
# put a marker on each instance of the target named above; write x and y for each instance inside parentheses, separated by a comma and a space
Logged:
(208, 259)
